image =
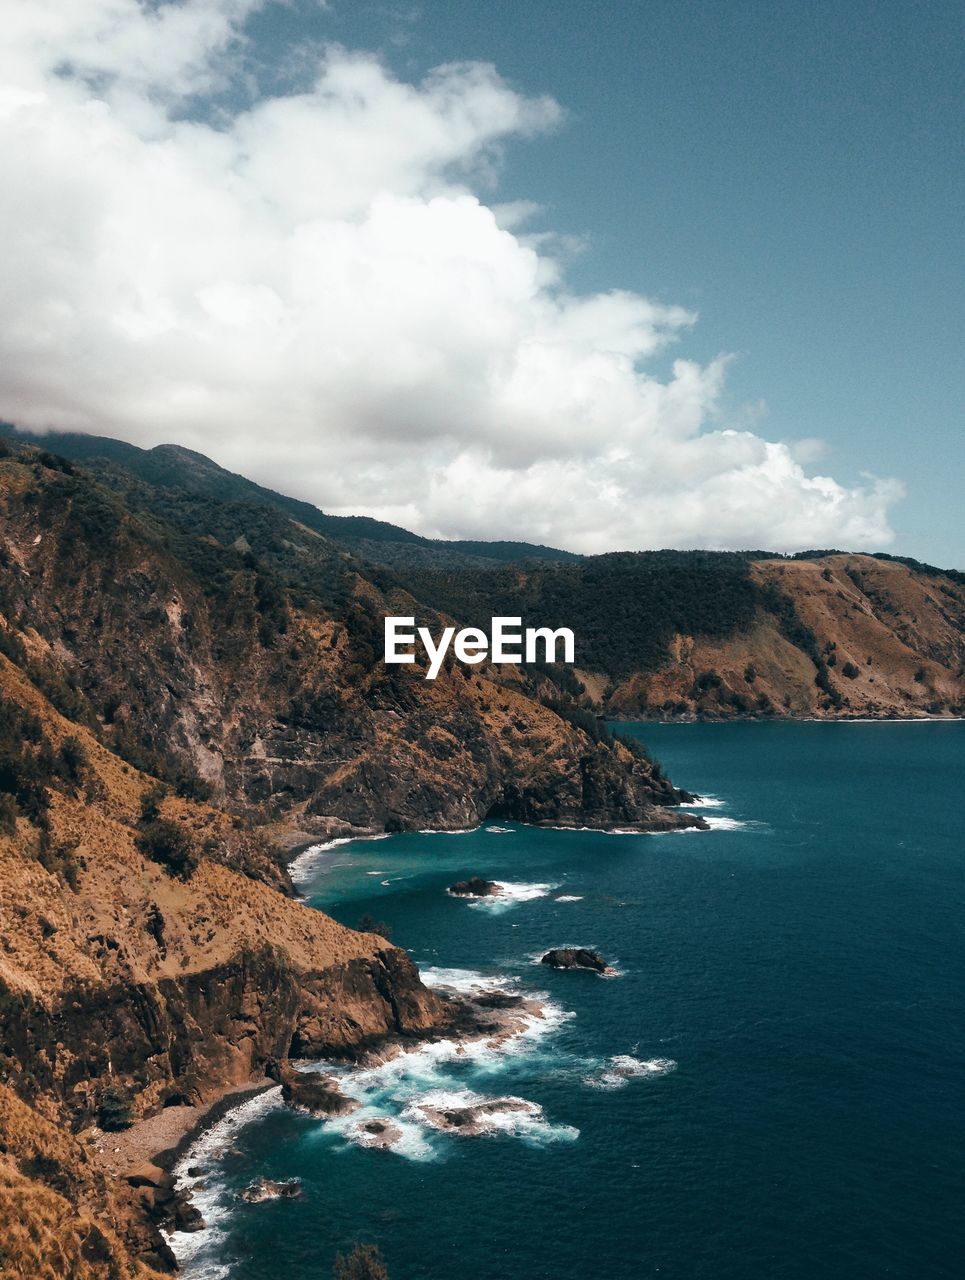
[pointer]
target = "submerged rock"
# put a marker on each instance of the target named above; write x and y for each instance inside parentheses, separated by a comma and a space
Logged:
(575, 958)
(475, 887)
(267, 1189)
(474, 1118)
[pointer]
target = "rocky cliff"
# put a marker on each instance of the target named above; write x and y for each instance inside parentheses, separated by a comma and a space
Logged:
(832, 637)
(175, 708)
(261, 675)
(122, 978)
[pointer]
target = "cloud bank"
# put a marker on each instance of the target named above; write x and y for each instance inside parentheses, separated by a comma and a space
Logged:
(309, 286)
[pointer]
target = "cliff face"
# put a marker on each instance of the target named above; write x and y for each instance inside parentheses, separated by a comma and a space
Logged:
(117, 974)
(171, 707)
(264, 676)
(833, 637)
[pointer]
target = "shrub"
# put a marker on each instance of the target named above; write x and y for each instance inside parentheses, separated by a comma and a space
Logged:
(114, 1110)
(849, 670)
(151, 802)
(72, 760)
(191, 786)
(368, 924)
(168, 844)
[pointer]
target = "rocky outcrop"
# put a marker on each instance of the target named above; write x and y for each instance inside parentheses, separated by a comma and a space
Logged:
(478, 1116)
(475, 887)
(185, 1038)
(263, 1189)
(575, 958)
(311, 1091)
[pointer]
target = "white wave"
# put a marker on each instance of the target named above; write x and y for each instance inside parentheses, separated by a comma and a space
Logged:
(508, 1114)
(714, 823)
(724, 824)
(622, 1068)
(540, 1016)
(207, 1192)
(301, 868)
(509, 894)
(445, 831)
(499, 831)
(463, 981)
(705, 802)
(410, 1142)
(568, 897)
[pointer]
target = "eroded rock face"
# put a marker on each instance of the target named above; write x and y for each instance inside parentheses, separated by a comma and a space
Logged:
(475, 887)
(218, 1026)
(575, 958)
(311, 1090)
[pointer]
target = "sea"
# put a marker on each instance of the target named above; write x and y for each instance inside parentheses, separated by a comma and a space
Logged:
(770, 1082)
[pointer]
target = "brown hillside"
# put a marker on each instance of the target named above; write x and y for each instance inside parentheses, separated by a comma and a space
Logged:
(892, 639)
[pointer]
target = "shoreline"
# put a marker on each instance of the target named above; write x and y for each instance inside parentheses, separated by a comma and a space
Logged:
(297, 852)
(163, 1138)
(688, 720)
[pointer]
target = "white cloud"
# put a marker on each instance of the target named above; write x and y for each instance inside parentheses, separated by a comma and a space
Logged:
(313, 290)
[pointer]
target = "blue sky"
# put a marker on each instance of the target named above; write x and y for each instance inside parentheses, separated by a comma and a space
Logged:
(618, 276)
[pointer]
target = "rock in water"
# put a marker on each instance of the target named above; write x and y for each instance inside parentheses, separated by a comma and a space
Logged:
(267, 1189)
(575, 958)
(311, 1090)
(475, 887)
(187, 1217)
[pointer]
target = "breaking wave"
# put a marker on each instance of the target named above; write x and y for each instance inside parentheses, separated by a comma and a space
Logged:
(207, 1191)
(508, 895)
(706, 802)
(302, 868)
(622, 1068)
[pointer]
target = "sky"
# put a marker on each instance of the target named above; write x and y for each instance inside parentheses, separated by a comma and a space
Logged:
(605, 276)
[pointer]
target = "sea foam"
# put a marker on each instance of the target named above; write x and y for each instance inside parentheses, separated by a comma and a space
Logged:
(307, 862)
(623, 1067)
(510, 894)
(207, 1191)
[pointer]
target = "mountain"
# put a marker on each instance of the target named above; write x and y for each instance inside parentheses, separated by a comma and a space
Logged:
(182, 470)
(664, 634)
(190, 685)
(723, 635)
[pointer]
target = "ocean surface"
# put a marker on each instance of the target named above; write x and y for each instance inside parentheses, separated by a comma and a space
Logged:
(772, 1085)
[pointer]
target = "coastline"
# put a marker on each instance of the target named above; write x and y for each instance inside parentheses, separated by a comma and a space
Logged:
(925, 719)
(163, 1138)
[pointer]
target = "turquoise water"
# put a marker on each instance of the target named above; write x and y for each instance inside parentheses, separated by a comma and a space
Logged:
(790, 994)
